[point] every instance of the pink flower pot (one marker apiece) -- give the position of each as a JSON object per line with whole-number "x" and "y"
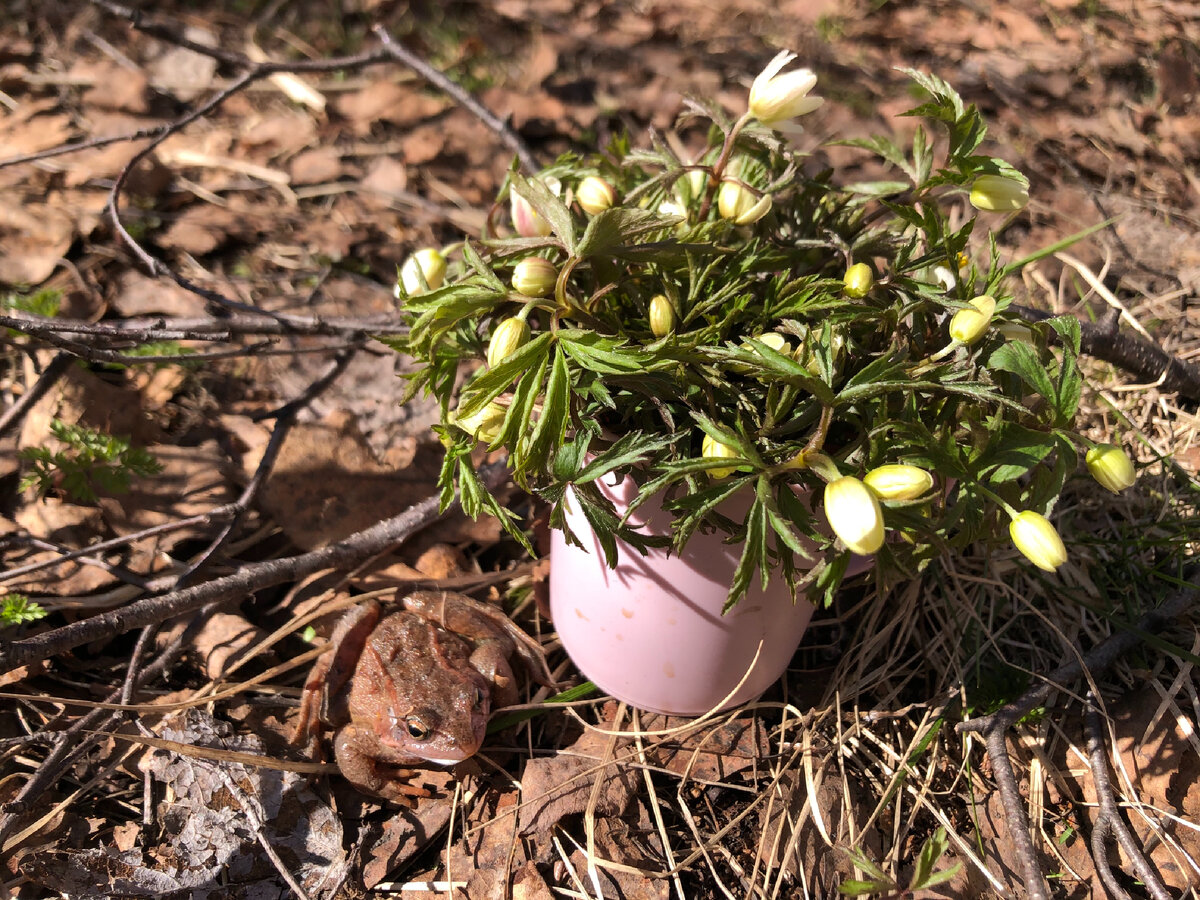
{"x": 651, "y": 632}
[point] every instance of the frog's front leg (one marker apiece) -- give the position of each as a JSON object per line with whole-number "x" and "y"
{"x": 355, "y": 751}
{"x": 323, "y": 698}
{"x": 494, "y": 634}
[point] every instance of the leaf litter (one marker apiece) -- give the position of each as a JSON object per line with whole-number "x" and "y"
{"x": 298, "y": 208}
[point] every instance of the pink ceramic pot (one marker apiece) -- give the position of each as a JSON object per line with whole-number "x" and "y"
{"x": 651, "y": 633}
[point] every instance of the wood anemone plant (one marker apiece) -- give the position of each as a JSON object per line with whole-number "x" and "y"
{"x": 766, "y": 355}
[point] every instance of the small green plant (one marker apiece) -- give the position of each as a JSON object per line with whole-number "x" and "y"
{"x": 45, "y": 302}
{"x": 17, "y": 609}
{"x": 923, "y": 877}
{"x": 91, "y": 460}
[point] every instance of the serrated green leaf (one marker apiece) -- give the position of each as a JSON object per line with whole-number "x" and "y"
{"x": 754, "y": 556}
{"x": 1022, "y": 360}
{"x": 548, "y": 206}
{"x": 551, "y": 427}
{"x": 620, "y": 226}
{"x": 491, "y": 384}
{"x": 878, "y": 188}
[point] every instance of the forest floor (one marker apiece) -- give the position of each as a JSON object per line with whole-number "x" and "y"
{"x": 299, "y": 198}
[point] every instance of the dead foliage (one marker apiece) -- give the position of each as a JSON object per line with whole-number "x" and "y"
{"x": 294, "y": 202}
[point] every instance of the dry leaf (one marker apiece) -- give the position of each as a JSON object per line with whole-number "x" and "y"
{"x": 560, "y": 786}
{"x": 35, "y": 237}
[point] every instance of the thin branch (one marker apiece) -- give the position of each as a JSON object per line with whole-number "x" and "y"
{"x": 1109, "y": 821}
{"x": 162, "y": 328}
{"x": 285, "y": 418}
{"x": 1147, "y": 362}
{"x": 248, "y": 579}
{"x": 994, "y": 727}
{"x": 452, "y": 89}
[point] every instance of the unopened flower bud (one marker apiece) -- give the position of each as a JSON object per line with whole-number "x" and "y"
{"x": 663, "y": 317}
{"x": 534, "y": 277}
{"x": 1035, "y": 537}
{"x": 776, "y": 97}
{"x": 486, "y": 423}
{"x": 509, "y": 336}
{"x": 710, "y": 448}
{"x": 898, "y": 482}
{"x": 740, "y": 205}
{"x": 427, "y": 263}
{"x": 527, "y": 221}
{"x": 858, "y": 281}
{"x": 1111, "y": 466}
{"x": 854, "y": 515}
{"x": 969, "y": 325}
{"x": 997, "y": 193}
{"x": 595, "y": 195}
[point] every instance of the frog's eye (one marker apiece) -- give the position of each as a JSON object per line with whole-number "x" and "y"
{"x": 478, "y": 697}
{"x": 416, "y": 728}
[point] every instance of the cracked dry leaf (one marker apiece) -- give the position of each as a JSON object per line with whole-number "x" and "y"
{"x": 216, "y": 810}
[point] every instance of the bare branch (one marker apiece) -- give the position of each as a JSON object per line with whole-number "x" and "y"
{"x": 1109, "y": 821}
{"x": 49, "y": 377}
{"x": 994, "y": 727}
{"x": 1147, "y": 362}
{"x": 249, "y": 578}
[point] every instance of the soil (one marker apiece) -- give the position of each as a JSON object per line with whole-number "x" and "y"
{"x": 300, "y": 196}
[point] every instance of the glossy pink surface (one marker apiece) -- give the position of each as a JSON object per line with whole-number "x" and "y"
{"x": 651, "y": 633}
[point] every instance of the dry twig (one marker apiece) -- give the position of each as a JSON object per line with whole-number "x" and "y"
{"x": 994, "y": 727}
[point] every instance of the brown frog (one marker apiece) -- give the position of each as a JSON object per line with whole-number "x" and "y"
{"x": 414, "y": 686}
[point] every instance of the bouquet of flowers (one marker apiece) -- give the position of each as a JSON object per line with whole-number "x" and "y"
{"x": 738, "y": 321}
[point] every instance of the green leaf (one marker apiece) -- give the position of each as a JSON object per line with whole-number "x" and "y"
{"x": 754, "y": 555}
{"x": 618, "y": 226}
{"x": 482, "y": 269}
{"x": 628, "y": 450}
{"x": 552, "y": 425}
{"x": 548, "y": 206}
{"x": 1022, "y": 360}
{"x": 491, "y": 384}
{"x": 1013, "y": 452}
{"x": 877, "y": 188}
{"x": 603, "y": 355}
{"x": 883, "y": 147}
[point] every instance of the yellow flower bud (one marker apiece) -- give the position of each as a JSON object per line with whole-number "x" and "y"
{"x": 997, "y": 193}
{"x": 898, "y": 482}
{"x": 854, "y": 515}
{"x": 534, "y": 277}
{"x": 740, "y": 205}
{"x": 509, "y": 336}
{"x": 1111, "y": 466}
{"x": 595, "y": 195}
{"x": 858, "y": 281}
{"x": 428, "y": 263}
{"x": 1035, "y": 537}
{"x": 484, "y": 424}
{"x": 714, "y": 449}
{"x": 663, "y": 317}
{"x": 969, "y": 325}
{"x": 837, "y": 343}
{"x": 777, "y": 98}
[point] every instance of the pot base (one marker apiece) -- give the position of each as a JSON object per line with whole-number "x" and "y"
{"x": 650, "y": 632}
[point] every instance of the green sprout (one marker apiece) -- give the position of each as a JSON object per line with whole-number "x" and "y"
{"x": 90, "y": 461}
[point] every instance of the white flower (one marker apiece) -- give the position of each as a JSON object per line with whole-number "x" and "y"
{"x": 776, "y": 97}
